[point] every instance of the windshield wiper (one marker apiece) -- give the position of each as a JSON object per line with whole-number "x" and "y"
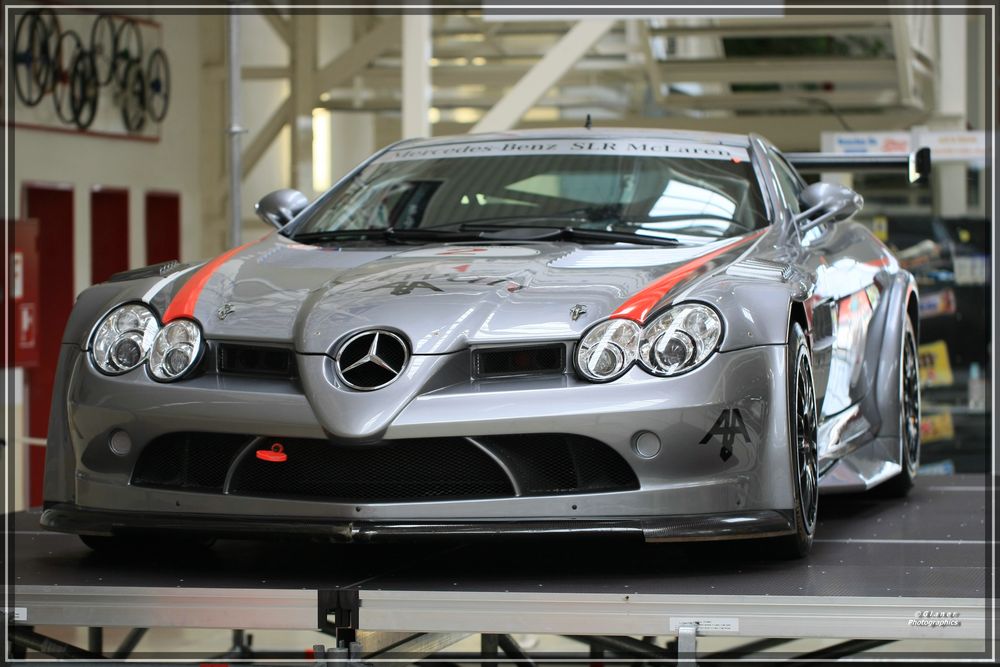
{"x": 384, "y": 234}
{"x": 483, "y": 231}
{"x": 546, "y": 232}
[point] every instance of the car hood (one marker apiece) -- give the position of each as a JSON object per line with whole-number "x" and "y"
{"x": 442, "y": 297}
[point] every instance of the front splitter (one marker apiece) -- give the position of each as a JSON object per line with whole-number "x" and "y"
{"x": 69, "y": 518}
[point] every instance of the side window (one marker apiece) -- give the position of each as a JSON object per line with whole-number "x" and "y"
{"x": 789, "y": 183}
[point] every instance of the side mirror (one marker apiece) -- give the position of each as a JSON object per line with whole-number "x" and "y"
{"x": 827, "y": 202}
{"x": 279, "y": 207}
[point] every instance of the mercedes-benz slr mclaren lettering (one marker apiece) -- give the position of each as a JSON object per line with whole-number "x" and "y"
{"x": 656, "y": 333}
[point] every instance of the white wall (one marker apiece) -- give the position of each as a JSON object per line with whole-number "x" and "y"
{"x": 85, "y": 161}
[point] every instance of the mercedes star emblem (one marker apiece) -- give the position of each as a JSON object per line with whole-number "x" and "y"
{"x": 371, "y": 359}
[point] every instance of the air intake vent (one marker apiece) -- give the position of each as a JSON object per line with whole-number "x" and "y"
{"x": 256, "y": 360}
{"x": 507, "y": 361}
{"x": 190, "y": 461}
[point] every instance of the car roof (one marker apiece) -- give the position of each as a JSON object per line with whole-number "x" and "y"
{"x": 740, "y": 140}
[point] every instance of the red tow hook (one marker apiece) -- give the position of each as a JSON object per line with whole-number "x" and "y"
{"x": 274, "y": 455}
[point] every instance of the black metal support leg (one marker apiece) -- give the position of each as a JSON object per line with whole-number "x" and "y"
{"x": 513, "y": 650}
{"x": 95, "y": 640}
{"x": 490, "y": 649}
{"x": 625, "y": 646}
{"x": 25, "y": 638}
{"x": 18, "y": 651}
{"x": 843, "y": 649}
{"x": 128, "y": 644}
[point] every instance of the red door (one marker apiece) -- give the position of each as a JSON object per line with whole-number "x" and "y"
{"x": 108, "y": 233}
{"x": 52, "y": 206}
{"x": 163, "y": 227}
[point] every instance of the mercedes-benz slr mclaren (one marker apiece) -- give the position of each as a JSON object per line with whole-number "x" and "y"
{"x": 665, "y": 334}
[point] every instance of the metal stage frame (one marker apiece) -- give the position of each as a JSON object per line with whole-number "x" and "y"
{"x": 882, "y": 570}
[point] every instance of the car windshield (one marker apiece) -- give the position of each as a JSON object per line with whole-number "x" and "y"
{"x": 681, "y": 190}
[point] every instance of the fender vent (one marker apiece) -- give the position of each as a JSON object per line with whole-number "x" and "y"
{"x": 256, "y": 360}
{"x": 510, "y": 361}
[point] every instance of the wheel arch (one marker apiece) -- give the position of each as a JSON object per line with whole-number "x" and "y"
{"x": 797, "y": 314}
{"x": 901, "y": 302}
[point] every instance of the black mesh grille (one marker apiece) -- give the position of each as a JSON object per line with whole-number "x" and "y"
{"x": 256, "y": 360}
{"x": 397, "y": 470}
{"x": 520, "y": 360}
{"x": 197, "y": 461}
{"x": 552, "y": 463}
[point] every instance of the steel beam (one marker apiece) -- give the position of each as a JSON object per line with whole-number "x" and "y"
{"x": 546, "y": 73}
{"x": 267, "y": 133}
{"x": 416, "y": 73}
{"x": 780, "y": 27}
{"x": 781, "y": 99}
{"x": 304, "y": 95}
{"x": 385, "y": 74}
{"x": 235, "y": 130}
{"x": 355, "y": 58}
{"x": 281, "y": 26}
{"x": 779, "y": 70}
{"x": 265, "y": 73}
{"x": 904, "y": 56}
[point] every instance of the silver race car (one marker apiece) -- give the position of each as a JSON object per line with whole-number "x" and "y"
{"x": 657, "y": 333}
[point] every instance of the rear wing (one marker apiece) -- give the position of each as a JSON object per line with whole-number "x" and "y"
{"x": 917, "y": 165}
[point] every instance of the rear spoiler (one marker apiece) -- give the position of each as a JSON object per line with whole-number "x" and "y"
{"x": 917, "y": 164}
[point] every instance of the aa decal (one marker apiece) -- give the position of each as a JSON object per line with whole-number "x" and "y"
{"x": 729, "y": 425}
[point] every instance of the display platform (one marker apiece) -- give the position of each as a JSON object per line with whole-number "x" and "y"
{"x": 877, "y": 566}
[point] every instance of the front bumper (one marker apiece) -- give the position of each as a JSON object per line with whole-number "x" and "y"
{"x": 686, "y": 478}
{"x": 702, "y": 527}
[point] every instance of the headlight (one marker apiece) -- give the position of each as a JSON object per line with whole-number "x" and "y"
{"x": 608, "y": 350}
{"x": 123, "y": 338}
{"x": 679, "y": 339}
{"x": 176, "y": 349}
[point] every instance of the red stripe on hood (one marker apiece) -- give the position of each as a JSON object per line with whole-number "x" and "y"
{"x": 638, "y": 307}
{"x": 183, "y": 303}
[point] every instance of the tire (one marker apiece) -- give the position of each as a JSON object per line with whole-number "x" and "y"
{"x": 30, "y": 58}
{"x": 909, "y": 418}
{"x": 158, "y": 85}
{"x": 802, "y": 451}
{"x": 102, "y": 48}
{"x": 133, "y": 98}
{"x": 70, "y": 46}
{"x": 128, "y": 50}
{"x": 83, "y": 90}
{"x": 117, "y": 545}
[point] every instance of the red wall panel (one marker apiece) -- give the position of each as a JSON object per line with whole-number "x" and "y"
{"x": 108, "y": 233}
{"x": 53, "y": 208}
{"x": 163, "y": 227}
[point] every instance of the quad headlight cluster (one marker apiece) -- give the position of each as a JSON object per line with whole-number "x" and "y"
{"x": 676, "y": 341}
{"x": 131, "y": 334}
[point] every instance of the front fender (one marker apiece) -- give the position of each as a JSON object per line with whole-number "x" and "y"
{"x": 754, "y": 312}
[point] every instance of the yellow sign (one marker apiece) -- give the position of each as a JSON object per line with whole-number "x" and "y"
{"x": 880, "y": 227}
{"x": 936, "y": 427}
{"x": 935, "y": 369}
